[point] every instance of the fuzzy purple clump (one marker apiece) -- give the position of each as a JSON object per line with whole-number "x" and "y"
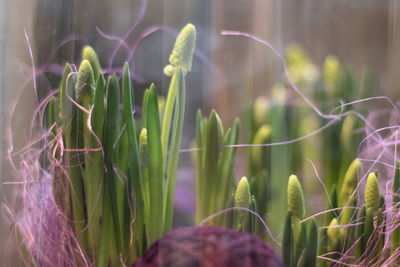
{"x": 208, "y": 247}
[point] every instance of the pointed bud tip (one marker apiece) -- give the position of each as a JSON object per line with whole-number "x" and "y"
{"x": 85, "y": 81}
{"x": 295, "y": 198}
{"x": 242, "y": 195}
{"x": 90, "y": 54}
{"x": 372, "y": 195}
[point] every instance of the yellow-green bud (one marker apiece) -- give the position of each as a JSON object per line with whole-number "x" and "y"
{"x": 371, "y": 195}
{"x": 161, "y": 104}
{"x": 85, "y": 82}
{"x": 334, "y": 233}
{"x": 278, "y": 93}
{"x": 295, "y": 198}
{"x": 169, "y": 70}
{"x": 295, "y": 55}
{"x": 331, "y": 71}
{"x": 242, "y": 195}
{"x": 260, "y": 110}
{"x": 300, "y": 67}
{"x": 261, "y": 137}
{"x": 347, "y": 130}
{"x": 89, "y": 54}
{"x": 349, "y": 182}
{"x": 182, "y": 53}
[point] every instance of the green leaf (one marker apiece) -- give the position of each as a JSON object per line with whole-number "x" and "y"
{"x": 301, "y": 243}
{"x": 173, "y": 159}
{"x": 111, "y": 154}
{"x": 135, "y": 185}
{"x": 360, "y": 246}
{"x": 64, "y": 103}
{"x": 322, "y": 247}
{"x": 227, "y": 166}
{"x": 395, "y": 239}
{"x": 310, "y": 254}
{"x": 287, "y": 242}
{"x": 99, "y": 107}
{"x": 213, "y": 148}
{"x": 156, "y": 166}
{"x": 72, "y": 132}
{"x": 199, "y": 162}
{"x": 94, "y": 165}
{"x": 369, "y": 226}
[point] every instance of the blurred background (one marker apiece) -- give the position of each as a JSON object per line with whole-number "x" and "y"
{"x": 229, "y": 72}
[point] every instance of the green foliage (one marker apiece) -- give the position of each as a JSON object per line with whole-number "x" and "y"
{"x": 120, "y": 192}
{"x": 215, "y": 166}
{"x": 122, "y": 187}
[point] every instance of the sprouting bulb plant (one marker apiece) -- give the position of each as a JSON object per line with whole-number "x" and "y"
{"x": 372, "y": 197}
{"x": 182, "y": 53}
{"x": 295, "y": 198}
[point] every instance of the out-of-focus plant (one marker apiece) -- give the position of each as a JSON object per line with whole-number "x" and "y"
{"x": 352, "y": 233}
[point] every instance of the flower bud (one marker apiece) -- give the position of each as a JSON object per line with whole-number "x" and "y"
{"x": 295, "y": 198}
{"x": 182, "y": 53}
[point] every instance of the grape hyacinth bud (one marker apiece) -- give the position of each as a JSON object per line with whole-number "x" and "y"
{"x": 261, "y": 137}
{"x": 295, "y": 198}
{"x": 334, "y": 233}
{"x": 371, "y": 196}
{"x": 85, "y": 82}
{"x": 349, "y": 182}
{"x": 331, "y": 72}
{"x": 89, "y": 54}
{"x": 182, "y": 53}
{"x": 242, "y": 195}
{"x": 260, "y": 110}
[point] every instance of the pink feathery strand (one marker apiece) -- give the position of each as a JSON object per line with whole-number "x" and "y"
{"x": 139, "y": 17}
{"x": 33, "y": 63}
{"x": 285, "y": 70}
